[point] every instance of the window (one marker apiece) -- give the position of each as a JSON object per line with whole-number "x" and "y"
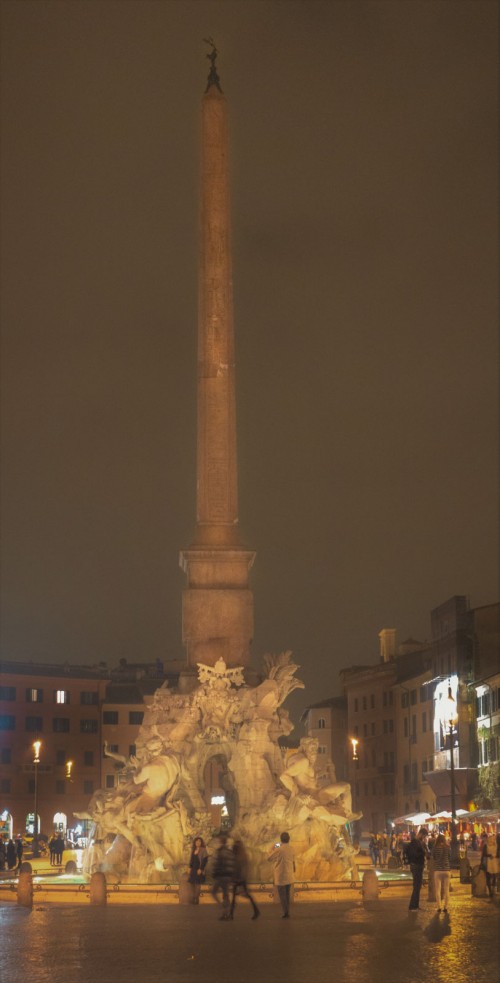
{"x": 384, "y": 698}
{"x": 89, "y": 726}
{"x": 366, "y": 787}
{"x": 88, "y": 787}
{"x": 364, "y": 703}
{"x": 60, "y": 786}
{"x": 413, "y": 697}
{"x": 389, "y": 787}
{"x": 374, "y": 788}
{"x": 372, "y": 701}
{"x": 414, "y": 774}
{"x": 5, "y": 785}
{"x": 404, "y": 700}
{"x": 34, "y": 724}
{"x": 374, "y": 756}
{"x": 113, "y": 748}
{"x": 356, "y": 731}
{"x": 110, "y": 781}
{"x": 424, "y": 722}
{"x": 7, "y": 693}
{"x": 61, "y": 696}
{"x": 88, "y": 758}
{"x": 390, "y": 698}
{"x": 110, "y": 717}
{"x": 7, "y": 722}
{"x": 406, "y": 774}
{"x": 405, "y": 727}
{"x": 5, "y": 756}
{"x": 321, "y": 723}
{"x": 424, "y": 769}
{"x": 89, "y": 698}
{"x": 60, "y": 757}
{"x": 373, "y": 730}
{"x": 34, "y": 696}
{"x": 60, "y": 725}
{"x": 132, "y": 750}
{"x": 135, "y": 716}
{"x": 430, "y": 764}
{"x": 414, "y": 727}
{"x": 385, "y": 726}
{"x": 356, "y": 705}
{"x": 365, "y": 730}
{"x": 321, "y": 749}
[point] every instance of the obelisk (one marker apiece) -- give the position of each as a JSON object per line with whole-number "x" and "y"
{"x": 217, "y": 604}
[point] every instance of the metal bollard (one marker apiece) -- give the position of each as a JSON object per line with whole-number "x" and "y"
{"x": 25, "y": 889}
{"x": 98, "y": 887}
{"x": 370, "y": 887}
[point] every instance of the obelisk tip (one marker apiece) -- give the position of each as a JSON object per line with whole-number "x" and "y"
{"x": 213, "y": 78}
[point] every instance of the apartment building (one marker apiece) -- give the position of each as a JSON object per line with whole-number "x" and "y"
{"x": 86, "y": 720}
{"x": 327, "y": 722}
{"x": 60, "y": 707}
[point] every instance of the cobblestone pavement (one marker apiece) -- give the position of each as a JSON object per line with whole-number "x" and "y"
{"x": 338, "y": 942}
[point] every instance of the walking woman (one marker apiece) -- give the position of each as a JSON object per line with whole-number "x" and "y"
{"x": 197, "y": 864}
{"x": 442, "y": 873}
{"x": 240, "y": 878}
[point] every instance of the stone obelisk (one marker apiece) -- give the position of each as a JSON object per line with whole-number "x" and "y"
{"x": 217, "y": 604}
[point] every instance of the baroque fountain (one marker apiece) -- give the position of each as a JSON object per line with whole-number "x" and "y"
{"x": 144, "y": 827}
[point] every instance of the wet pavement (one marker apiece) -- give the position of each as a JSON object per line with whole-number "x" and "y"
{"x": 338, "y": 942}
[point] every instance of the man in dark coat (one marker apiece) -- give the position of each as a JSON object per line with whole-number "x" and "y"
{"x": 19, "y": 852}
{"x": 417, "y": 853}
{"x": 223, "y": 875}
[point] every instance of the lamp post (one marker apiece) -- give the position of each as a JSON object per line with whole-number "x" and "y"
{"x": 450, "y": 720}
{"x": 36, "y": 761}
{"x": 354, "y": 742}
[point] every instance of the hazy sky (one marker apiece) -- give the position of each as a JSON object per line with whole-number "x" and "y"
{"x": 364, "y": 161}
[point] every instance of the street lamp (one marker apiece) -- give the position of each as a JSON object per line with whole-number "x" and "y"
{"x": 450, "y": 720}
{"x": 354, "y": 742}
{"x": 36, "y": 761}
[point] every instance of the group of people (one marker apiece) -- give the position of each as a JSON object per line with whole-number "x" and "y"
{"x": 229, "y": 874}
{"x": 422, "y": 848}
{"x": 56, "y": 850}
{"x": 11, "y": 854}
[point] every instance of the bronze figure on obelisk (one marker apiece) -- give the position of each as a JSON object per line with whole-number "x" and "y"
{"x": 217, "y": 606}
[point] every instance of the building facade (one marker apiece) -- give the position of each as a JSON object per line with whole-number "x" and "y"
{"x": 85, "y": 721}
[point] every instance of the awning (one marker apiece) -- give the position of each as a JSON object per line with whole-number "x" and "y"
{"x": 413, "y": 819}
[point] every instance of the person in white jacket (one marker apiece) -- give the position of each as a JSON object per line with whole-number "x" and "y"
{"x": 284, "y": 870}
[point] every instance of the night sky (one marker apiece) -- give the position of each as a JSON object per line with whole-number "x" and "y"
{"x": 364, "y": 197}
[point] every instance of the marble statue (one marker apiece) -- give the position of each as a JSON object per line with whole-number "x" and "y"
{"x": 145, "y": 825}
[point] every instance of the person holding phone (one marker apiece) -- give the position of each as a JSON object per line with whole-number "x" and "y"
{"x": 284, "y": 870}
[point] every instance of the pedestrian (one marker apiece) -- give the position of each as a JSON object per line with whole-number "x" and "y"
{"x": 240, "y": 878}
{"x": 52, "y": 850}
{"x": 416, "y": 855}
{"x": 11, "y": 854}
{"x": 489, "y": 861}
{"x": 59, "y": 849}
{"x": 19, "y": 852}
{"x": 222, "y": 875}
{"x": 197, "y": 863}
{"x": 284, "y": 870}
{"x": 441, "y": 859}
{"x": 3, "y": 855}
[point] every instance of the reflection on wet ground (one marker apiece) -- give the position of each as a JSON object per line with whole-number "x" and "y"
{"x": 334, "y": 942}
